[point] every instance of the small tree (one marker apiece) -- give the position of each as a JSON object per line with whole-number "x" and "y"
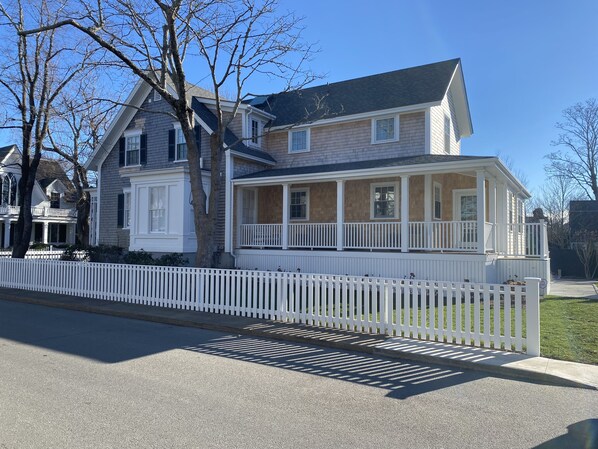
{"x": 585, "y": 244}
{"x": 579, "y": 139}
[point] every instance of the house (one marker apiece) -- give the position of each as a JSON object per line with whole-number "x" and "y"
{"x": 54, "y": 214}
{"x": 363, "y": 176}
{"x": 583, "y": 218}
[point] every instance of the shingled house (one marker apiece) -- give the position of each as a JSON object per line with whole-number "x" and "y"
{"x": 360, "y": 176}
{"x": 54, "y": 217}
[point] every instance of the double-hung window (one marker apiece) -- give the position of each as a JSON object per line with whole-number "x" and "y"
{"x": 384, "y": 201}
{"x": 385, "y": 129}
{"x": 255, "y": 132}
{"x": 132, "y": 147}
{"x": 299, "y": 204}
{"x": 181, "y": 145}
{"x": 299, "y": 141}
{"x": 157, "y": 209}
{"x": 437, "y": 201}
{"x": 127, "y": 210}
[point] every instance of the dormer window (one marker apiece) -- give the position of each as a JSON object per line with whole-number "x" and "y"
{"x": 385, "y": 129}
{"x": 255, "y": 132}
{"x": 55, "y": 200}
{"x": 299, "y": 141}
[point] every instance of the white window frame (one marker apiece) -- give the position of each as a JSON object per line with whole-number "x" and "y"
{"x": 126, "y": 212}
{"x": 258, "y": 137}
{"x": 130, "y": 134}
{"x": 300, "y": 189}
{"x": 157, "y": 96}
{"x": 307, "y": 148}
{"x": 177, "y": 130}
{"x": 447, "y": 134}
{"x": 397, "y": 123}
{"x": 165, "y": 209}
{"x": 434, "y": 186}
{"x": 373, "y": 187}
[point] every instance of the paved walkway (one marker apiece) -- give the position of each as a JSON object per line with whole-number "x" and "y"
{"x": 500, "y": 363}
{"x": 573, "y": 288}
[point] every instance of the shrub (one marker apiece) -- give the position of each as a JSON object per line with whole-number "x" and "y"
{"x": 105, "y": 254}
{"x": 140, "y": 257}
{"x": 70, "y": 253}
{"x": 172, "y": 260}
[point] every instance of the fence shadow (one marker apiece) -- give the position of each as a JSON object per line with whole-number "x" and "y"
{"x": 582, "y": 434}
{"x": 402, "y": 379}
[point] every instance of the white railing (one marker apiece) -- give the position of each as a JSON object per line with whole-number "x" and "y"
{"x": 373, "y": 235}
{"x": 43, "y": 254}
{"x": 527, "y": 240}
{"x": 38, "y": 211}
{"x": 261, "y": 235}
{"x": 312, "y": 235}
{"x": 443, "y": 236}
{"x": 486, "y": 315}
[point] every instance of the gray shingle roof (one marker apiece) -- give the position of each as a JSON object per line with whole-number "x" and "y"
{"x": 230, "y": 138}
{"x": 415, "y": 85}
{"x": 361, "y": 165}
{"x": 48, "y": 171}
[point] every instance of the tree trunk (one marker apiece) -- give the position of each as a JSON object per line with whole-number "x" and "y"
{"x": 83, "y": 208}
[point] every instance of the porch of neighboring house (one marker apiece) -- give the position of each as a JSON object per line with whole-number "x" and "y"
{"x": 418, "y": 215}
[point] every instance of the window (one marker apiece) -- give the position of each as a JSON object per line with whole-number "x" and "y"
{"x": 127, "y": 210}
{"x": 385, "y": 129}
{"x": 157, "y": 209}
{"x": 157, "y": 96}
{"x": 255, "y": 132}
{"x": 299, "y": 141}
{"x": 437, "y": 201}
{"x": 299, "y": 204}
{"x": 383, "y": 201}
{"x": 511, "y": 215}
{"x": 447, "y": 134}
{"x": 54, "y": 200}
{"x": 133, "y": 144}
{"x": 8, "y": 191}
{"x": 181, "y": 146}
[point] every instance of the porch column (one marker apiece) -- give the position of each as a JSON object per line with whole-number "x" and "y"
{"x": 340, "y": 215}
{"x": 502, "y": 217}
{"x": 481, "y": 210}
{"x": 492, "y": 210}
{"x": 239, "y": 215}
{"x": 428, "y": 205}
{"x": 228, "y": 200}
{"x": 45, "y": 233}
{"x": 285, "y": 216}
{"x": 404, "y": 214}
{"x": 6, "y": 233}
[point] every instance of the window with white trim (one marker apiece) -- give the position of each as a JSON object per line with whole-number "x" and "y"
{"x": 437, "y": 201}
{"x": 447, "y": 134}
{"x": 385, "y": 129}
{"x": 181, "y": 145}
{"x": 511, "y": 198}
{"x": 384, "y": 201}
{"x": 132, "y": 149}
{"x": 299, "y": 204}
{"x": 127, "y": 210}
{"x": 255, "y": 132}
{"x": 299, "y": 141}
{"x": 157, "y": 96}
{"x": 157, "y": 209}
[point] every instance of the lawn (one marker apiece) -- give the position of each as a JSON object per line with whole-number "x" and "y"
{"x": 569, "y": 329}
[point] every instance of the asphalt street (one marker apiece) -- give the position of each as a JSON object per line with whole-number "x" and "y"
{"x": 78, "y": 380}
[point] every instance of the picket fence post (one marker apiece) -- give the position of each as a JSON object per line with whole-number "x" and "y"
{"x": 532, "y": 315}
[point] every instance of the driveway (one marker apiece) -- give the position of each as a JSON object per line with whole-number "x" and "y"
{"x": 573, "y": 288}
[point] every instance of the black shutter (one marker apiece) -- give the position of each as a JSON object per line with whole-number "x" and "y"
{"x": 197, "y": 130}
{"x": 143, "y": 149}
{"x": 171, "y": 145}
{"x": 121, "y": 152}
{"x": 120, "y": 214}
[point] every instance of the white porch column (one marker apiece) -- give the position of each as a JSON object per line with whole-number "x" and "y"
{"x": 404, "y": 214}
{"x": 285, "y": 216}
{"x": 6, "y": 233}
{"x": 492, "y": 210}
{"x": 428, "y": 206}
{"x": 45, "y": 233}
{"x": 239, "y": 214}
{"x": 340, "y": 215}
{"x": 502, "y": 217}
{"x": 481, "y": 208}
{"x": 228, "y": 201}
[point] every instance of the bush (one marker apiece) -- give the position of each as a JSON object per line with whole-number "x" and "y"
{"x": 39, "y": 246}
{"x": 105, "y": 254}
{"x": 139, "y": 258}
{"x": 70, "y": 253}
{"x": 172, "y": 260}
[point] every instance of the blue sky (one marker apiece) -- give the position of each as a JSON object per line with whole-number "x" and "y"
{"x": 524, "y": 61}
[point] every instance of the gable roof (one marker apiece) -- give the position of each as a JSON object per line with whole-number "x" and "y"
{"x": 230, "y": 139}
{"x": 4, "y": 151}
{"x": 412, "y": 86}
{"x": 50, "y": 170}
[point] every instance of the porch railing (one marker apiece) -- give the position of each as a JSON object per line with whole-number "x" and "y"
{"x": 527, "y": 239}
{"x": 443, "y": 236}
{"x": 373, "y": 235}
{"x": 13, "y": 211}
{"x": 312, "y": 235}
{"x": 261, "y": 235}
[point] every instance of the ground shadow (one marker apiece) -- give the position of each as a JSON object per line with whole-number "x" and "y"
{"x": 582, "y": 434}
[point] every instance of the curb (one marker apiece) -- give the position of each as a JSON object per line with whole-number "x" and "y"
{"x": 500, "y": 371}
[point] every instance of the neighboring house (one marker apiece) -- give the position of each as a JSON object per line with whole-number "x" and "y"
{"x": 583, "y": 217}
{"x": 363, "y": 176}
{"x": 53, "y": 202}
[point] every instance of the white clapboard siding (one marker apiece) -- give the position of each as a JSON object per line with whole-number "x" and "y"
{"x": 484, "y": 315}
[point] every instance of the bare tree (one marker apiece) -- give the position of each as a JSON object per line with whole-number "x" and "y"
{"x": 233, "y": 40}
{"x": 33, "y": 73}
{"x": 579, "y": 138}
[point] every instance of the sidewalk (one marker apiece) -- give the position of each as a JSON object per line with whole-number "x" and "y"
{"x": 502, "y": 363}
{"x": 573, "y": 288}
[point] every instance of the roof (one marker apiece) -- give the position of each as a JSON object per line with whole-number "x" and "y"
{"x": 230, "y": 139}
{"x": 4, "y": 151}
{"x": 50, "y": 170}
{"x": 361, "y": 165}
{"x": 583, "y": 216}
{"x": 416, "y": 85}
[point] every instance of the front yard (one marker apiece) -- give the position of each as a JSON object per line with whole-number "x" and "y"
{"x": 569, "y": 329}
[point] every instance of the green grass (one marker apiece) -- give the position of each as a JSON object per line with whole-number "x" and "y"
{"x": 569, "y": 329}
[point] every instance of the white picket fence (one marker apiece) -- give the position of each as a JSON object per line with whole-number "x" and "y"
{"x": 483, "y": 315}
{"x": 46, "y": 254}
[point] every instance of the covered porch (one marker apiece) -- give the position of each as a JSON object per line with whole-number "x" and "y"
{"x": 399, "y": 206}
